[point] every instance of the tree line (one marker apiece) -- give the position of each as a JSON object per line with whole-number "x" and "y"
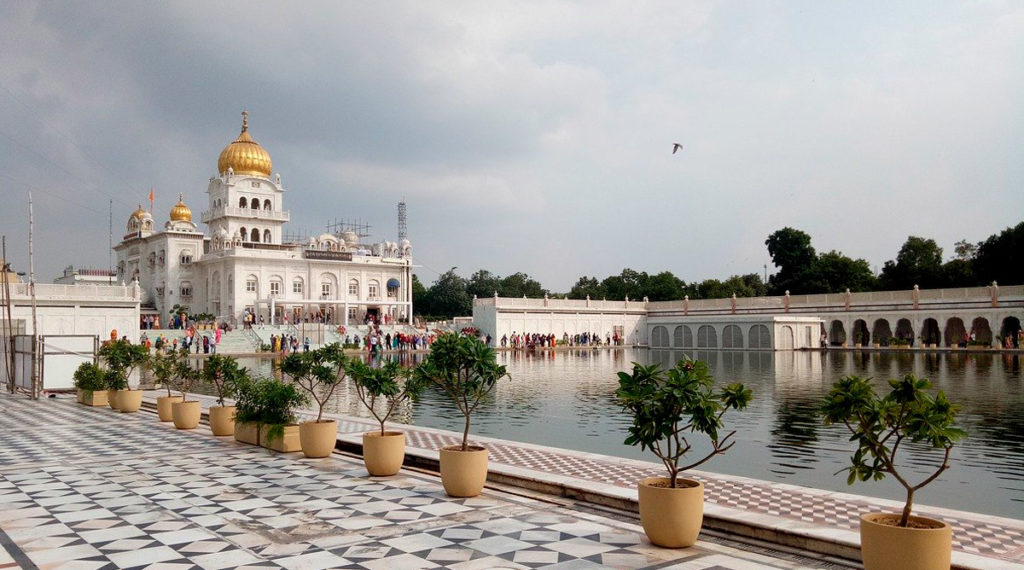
{"x": 801, "y": 270}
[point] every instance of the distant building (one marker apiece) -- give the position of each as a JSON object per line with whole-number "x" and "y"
{"x": 246, "y": 264}
{"x": 81, "y": 276}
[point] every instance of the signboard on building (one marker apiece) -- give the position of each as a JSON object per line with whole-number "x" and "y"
{"x": 327, "y": 255}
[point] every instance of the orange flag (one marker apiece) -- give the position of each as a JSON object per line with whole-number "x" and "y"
{"x": 151, "y": 199}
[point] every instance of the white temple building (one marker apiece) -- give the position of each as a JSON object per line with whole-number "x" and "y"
{"x": 244, "y": 263}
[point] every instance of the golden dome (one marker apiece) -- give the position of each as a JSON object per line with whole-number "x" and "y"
{"x": 137, "y": 214}
{"x": 244, "y": 155}
{"x": 180, "y": 212}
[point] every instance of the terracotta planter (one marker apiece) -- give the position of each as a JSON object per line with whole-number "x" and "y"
{"x": 286, "y": 444}
{"x": 885, "y": 547}
{"x": 129, "y": 400}
{"x": 247, "y": 432}
{"x": 671, "y": 517}
{"x": 186, "y": 414}
{"x": 112, "y": 399}
{"x": 222, "y": 420}
{"x": 463, "y": 473}
{"x": 383, "y": 454}
{"x": 163, "y": 407}
{"x": 93, "y": 397}
{"x": 317, "y": 439}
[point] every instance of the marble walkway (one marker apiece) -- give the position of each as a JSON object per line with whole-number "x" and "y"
{"x": 91, "y": 488}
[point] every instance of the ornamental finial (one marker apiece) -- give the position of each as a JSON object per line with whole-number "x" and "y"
{"x": 245, "y": 121}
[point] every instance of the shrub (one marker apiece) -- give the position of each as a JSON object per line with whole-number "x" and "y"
{"x": 882, "y": 426}
{"x": 668, "y": 404}
{"x": 89, "y": 377}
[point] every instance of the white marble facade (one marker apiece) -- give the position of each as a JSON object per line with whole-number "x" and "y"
{"x": 243, "y": 261}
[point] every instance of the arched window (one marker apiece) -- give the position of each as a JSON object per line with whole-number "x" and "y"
{"x": 682, "y": 337}
{"x": 251, "y": 284}
{"x": 297, "y": 286}
{"x": 373, "y": 289}
{"x": 266, "y": 205}
{"x": 659, "y": 337}
{"x": 759, "y": 337}
{"x": 255, "y": 237}
{"x": 242, "y": 203}
{"x": 353, "y": 288}
{"x": 255, "y": 203}
{"x": 266, "y": 236}
{"x": 732, "y": 337}
{"x": 186, "y": 289}
{"x": 245, "y": 234}
{"x": 707, "y": 337}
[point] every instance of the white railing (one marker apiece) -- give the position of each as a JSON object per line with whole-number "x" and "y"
{"x": 796, "y": 303}
{"x": 280, "y": 216}
{"x": 49, "y": 291}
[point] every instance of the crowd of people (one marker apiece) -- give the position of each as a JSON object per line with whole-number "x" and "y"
{"x": 193, "y": 340}
{"x": 535, "y": 340}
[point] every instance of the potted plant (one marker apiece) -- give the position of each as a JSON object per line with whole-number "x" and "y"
{"x": 857, "y": 336}
{"x": 186, "y": 413}
{"x": 883, "y": 426}
{"x": 318, "y": 373}
{"x": 382, "y": 390}
{"x": 164, "y": 365}
{"x": 91, "y": 384}
{"x": 247, "y": 410}
{"x": 121, "y": 358}
{"x": 666, "y": 405}
{"x": 223, "y": 373}
{"x": 278, "y": 428}
{"x": 466, "y": 370}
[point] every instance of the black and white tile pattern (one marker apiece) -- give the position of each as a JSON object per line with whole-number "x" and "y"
{"x": 91, "y": 488}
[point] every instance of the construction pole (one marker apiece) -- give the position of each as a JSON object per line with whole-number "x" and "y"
{"x": 8, "y": 332}
{"x": 32, "y": 292}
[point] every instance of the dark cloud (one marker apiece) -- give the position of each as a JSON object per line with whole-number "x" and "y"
{"x": 524, "y": 136}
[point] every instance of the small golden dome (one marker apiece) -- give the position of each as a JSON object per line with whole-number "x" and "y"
{"x": 244, "y": 155}
{"x": 180, "y": 212}
{"x": 137, "y": 214}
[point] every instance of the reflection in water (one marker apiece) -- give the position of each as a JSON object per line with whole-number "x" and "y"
{"x": 566, "y": 399}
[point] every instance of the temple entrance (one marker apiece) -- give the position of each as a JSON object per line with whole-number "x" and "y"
{"x": 1010, "y": 332}
{"x": 372, "y": 315}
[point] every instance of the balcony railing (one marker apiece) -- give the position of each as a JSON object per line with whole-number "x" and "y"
{"x": 273, "y": 215}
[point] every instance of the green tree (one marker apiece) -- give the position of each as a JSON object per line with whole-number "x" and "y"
{"x": 792, "y": 253}
{"x": 448, "y": 296}
{"x": 420, "y": 297}
{"x": 1001, "y": 257}
{"x": 629, "y": 283}
{"x": 587, "y": 286}
{"x": 834, "y": 273}
{"x": 483, "y": 283}
{"x": 919, "y": 262}
{"x": 519, "y": 285}
{"x": 665, "y": 287}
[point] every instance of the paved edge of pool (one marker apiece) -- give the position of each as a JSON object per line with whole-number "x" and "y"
{"x": 810, "y": 537}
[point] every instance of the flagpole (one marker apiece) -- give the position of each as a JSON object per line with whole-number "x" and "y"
{"x": 35, "y": 321}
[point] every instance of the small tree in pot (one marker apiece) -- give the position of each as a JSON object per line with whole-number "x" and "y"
{"x": 121, "y": 358}
{"x": 318, "y": 373}
{"x": 277, "y": 403}
{"x": 164, "y": 366}
{"x": 883, "y": 426}
{"x": 466, "y": 370}
{"x": 382, "y": 390}
{"x": 666, "y": 405}
{"x": 90, "y": 380}
{"x": 223, "y": 373}
{"x": 185, "y": 413}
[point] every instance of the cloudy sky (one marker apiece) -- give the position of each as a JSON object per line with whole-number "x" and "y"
{"x": 525, "y": 136}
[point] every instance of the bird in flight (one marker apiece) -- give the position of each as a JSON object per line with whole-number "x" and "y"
{"x": 676, "y": 147}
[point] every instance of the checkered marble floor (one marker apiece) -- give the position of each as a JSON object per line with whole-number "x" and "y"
{"x": 985, "y": 541}
{"x": 92, "y": 488}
